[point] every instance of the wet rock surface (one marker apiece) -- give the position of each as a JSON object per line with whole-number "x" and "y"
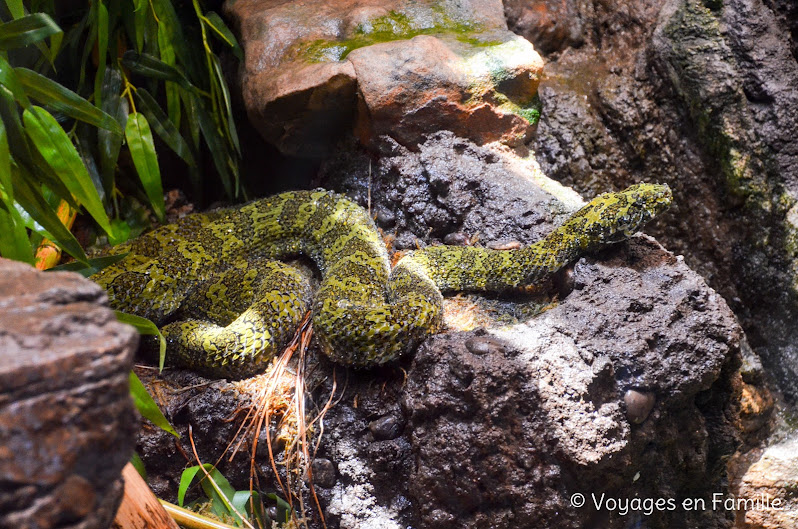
{"x": 67, "y": 424}
{"x": 499, "y": 427}
{"x": 699, "y": 95}
{"x": 317, "y": 71}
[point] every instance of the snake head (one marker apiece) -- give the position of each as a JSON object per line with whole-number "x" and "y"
{"x": 613, "y": 217}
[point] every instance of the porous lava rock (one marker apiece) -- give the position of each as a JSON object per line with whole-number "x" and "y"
{"x": 500, "y": 426}
{"x": 316, "y": 71}
{"x": 67, "y": 423}
{"x": 700, "y": 95}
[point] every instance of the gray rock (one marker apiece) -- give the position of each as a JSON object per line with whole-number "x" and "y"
{"x": 67, "y": 424}
{"x": 699, "y": 95}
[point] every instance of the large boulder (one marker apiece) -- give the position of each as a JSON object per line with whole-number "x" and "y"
{"x": 315, "y": 72}
{"x": 67, "y": 423}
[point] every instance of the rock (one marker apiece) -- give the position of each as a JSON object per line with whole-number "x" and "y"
{"x": 638, "y": 405}
{"x": 699, "y": 95}
{"x": 764, "y": 495}
{"x": 67, "y": 424}
{"x": 510, "y": 443}
{"x": 408, "y": 68}
{"x": 503, "y": 424}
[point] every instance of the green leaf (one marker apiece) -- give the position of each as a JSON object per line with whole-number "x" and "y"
{"x": 146, "y": 327}
{"x": 215, "y": 22}
{"x": 102, "y": 50}
{"x": 138, "y": 464}
{"x": 149, "y": 66}
{"x": 140, "y": 14}
{"x": 147, "y": 407}
{"x": 186, "y": 478}
{"x": 222, "y": 83}
{"x": 64, "y": 100}
{"x": 16, "y": 8}
{"x": 109, "y": 143}
{"x": 58, "y": 151}
{"x": 31, "y": 199}
{"x": 220, "y": 492}
{"x": 27, "y": 30}
{"x": 167, "y": 52}
{"x": 92, "y": 267}
{"x": 216, "y": 145}
{"x": 5, "y": 163}
{"x": 142, "y": 150}
{"x": 9, "y": 80}
{"x": 14, "y": 243}
{"x": 163, "y": 127}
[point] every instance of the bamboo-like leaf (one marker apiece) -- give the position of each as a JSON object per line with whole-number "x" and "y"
{"x": 90, "y": 268}
{"x": 167, "y": 52}
{"x": 16, "y": 8}
{"x": 26, "y": 30}
{"x": 57, "y": 149}
{"x": 109, "y": 143}
{"x": 164, "y": 128}
{"x": 64, "y": 100}
{"x": 142, "y": 150}
{"x": 138, "y": 464}
{"x": 232, "y": 135}
{"x": 102, "y": 51}
{"x": 140, "y": 17}
{"x": 14, "y": 243}
{"x": 31, "y": 199}
{"x": 220, "y": 29}
{"x": 146, "y": 406}
{"x": 215, "y": 143}
{"x": 10, "y": 81}
{"x": 149, "y": 66}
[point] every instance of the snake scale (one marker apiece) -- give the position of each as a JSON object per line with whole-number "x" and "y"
{"x": 211, "y": 281}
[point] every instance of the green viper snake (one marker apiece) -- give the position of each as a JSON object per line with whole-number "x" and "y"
{"x": 226, "y": 306}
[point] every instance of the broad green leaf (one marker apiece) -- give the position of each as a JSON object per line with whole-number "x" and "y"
{"x": 149, "y": 66}
{"x": 186, "y": 478}
{"x": 163, "y": 127}
{"x": 102, "y": 50}
{"x": 147, "y": 407}
{"x": 64, "y": 100}
{"x": 10, "y": 81}
{"x": 26, "y": 30}
{"x": 90, "y": 268}
{"x": 142, "y": 150}
{"x": 5, "y": 164}
{"x": 82, "y": 142}
{"x": 169, "y": 22}
{"x": 109, "y": 143}
{"x": 31, "y": 199}
{"x": 146, "y": 327}
{"x": 220, "y": 492}
{"x": 59, "y": 152}
{"x": 14, "y": 242}
{"x": 215, "y": 143}
{"x": 220, "y": 30}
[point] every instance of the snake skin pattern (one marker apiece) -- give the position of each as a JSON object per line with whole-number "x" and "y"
{"x": 211, "y": 281}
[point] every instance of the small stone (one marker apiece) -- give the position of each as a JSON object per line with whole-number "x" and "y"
{"x": 386, "y": 428}
{"x": 457, "y": 238}
{"x": 638, "y": 405}
{"x": 324, "y": 473}
{"x": 482, "y": 345}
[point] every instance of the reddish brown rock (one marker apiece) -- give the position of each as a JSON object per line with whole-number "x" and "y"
{"x": 67, "y": 425}
{"x": 405, "y": 68}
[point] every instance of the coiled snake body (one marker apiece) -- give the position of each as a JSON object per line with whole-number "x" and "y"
{"x": 226, "y": 307}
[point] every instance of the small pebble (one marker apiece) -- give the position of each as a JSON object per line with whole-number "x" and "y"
{"x": 386, "y": 428}
{"x": 481, "y": 345}
{"x": 638, "y": 405}
{"x": 457, "y": 238}
{"x": 324, "y": 474}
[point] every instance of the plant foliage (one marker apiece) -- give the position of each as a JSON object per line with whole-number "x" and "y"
{"x": 83, "y": 96}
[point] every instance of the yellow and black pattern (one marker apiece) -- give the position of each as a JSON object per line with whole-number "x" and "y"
{"x": 227, "y": 307}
